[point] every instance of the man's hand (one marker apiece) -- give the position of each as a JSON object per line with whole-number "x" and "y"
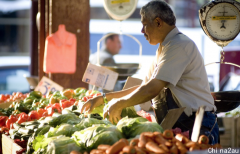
{"x": 114, "y": 111}
{"x": 91, "y": 104}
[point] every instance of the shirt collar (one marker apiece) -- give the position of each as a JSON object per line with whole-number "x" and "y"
{"x": 170, "y": 35}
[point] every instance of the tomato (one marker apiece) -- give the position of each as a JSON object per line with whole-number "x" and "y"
{"x": 54, "y": 108}
{"x": 3, "y": 97}
{"x": 23, "y": 118}
{"x": 12, "y": 119}
{"x": 66, "y": 104}
{"x": 20, "y": 114}
{"x": 72, "y": 100}
{"x": 85, "y": 98}
{"x": 3, "y": 120}
{"x": 4, "y": 129}
{"x": 145, "y": 115}
{"x": 41, "y": 111}
{"x": 97, "y": 94}
{"x": 33, "y": 115}
{"x": 45, "y": 114}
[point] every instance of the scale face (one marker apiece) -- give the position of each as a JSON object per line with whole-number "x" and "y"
{"x": 120, "y": 9}
{"x": 220, "y": 20}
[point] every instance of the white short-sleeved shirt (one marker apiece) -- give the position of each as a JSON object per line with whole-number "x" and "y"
{"x": 181, "y": 64}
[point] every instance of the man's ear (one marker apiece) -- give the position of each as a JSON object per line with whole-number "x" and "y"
{"x": 158, "y": 21}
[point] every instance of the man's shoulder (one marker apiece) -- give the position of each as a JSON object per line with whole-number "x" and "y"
{"x": 181, "y": 40}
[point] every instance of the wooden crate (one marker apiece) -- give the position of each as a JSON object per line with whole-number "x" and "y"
{"x": 228, "y": 139}
{"x": 5, "y": 105}
{"x": 8, "y": 145}
{"x": 237, "y": 120}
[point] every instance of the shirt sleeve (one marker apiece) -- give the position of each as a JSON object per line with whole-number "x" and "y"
{"x": 172, "y": 63}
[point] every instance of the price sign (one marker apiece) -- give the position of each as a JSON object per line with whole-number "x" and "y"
{"x": 100, "y": 77}
{"x": 46, "y": 85}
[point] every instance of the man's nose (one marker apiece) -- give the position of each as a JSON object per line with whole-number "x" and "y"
{"x": 143, "y": 30}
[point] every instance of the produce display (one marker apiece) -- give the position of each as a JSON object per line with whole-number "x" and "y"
{"x": 53, "y": 124}
{"x": 155, "y": 143}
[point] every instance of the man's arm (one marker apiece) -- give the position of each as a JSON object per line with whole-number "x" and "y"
{"x": 119, "y": 94}
{"x": 144, "y": 93}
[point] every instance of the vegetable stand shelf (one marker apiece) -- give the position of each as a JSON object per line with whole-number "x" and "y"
{"x": 8, "y": 145}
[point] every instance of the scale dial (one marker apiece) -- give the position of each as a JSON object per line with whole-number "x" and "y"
{"x": 120, "y": 9}
{"x": 220, "y": 20}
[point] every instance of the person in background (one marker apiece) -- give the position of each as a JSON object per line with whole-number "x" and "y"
{"x": 112, "y": 46}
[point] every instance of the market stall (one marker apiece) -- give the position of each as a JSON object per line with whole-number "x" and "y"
{"x": 53, "y": 123}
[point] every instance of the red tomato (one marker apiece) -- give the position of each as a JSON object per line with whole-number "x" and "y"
{"x": 41, "y": 111}
{"x": 72, "y": 100}
{"x": 33, "y": 115}
{"x": 23, "y": 118}
{"x": 3, "y": 97}
{"x": 11, "y": 119}
{"x": 54, "y": 109}
{"x": 22, "y": 113}
{"x": 3, "y": 120}
{"x": 85, "y": 98}
{"x": 145, "y": 115}
{"x": 45, "y": 114}
{"x": 97, "y": 94}
{"x": 4, "y": 129}
{"x": 66, "y": 104}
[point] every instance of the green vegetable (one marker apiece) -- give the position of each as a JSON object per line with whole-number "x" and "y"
{"x": 91, "y": 137}
{"x": 63, "y": 145}
{"x": 16, "y": 136}
{"x": 25, "y": 131}
{"x": 44, "y": 129}
{"x": 63, "y": 129}
{"x": 36, "y": 94}
{"x": 66, "y": 111}
{"x": 131, "y": 127}
{"x": 70, "y": 118}
{"x": 126, "y": 112}
{"x": 41, "y": 142}
{"x": 88, "y": 122}
{"x": 99, "y": 110}
{"x": 95, "y": 115}
{"x": 22, "y": 107}
{"x": 80, "y": 91}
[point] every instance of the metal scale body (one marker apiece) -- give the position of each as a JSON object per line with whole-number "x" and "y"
{"x": 220, "y": 20}
{"x": 121, "y": 10}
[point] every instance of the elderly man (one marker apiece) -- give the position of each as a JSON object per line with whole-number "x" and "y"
{"x": 177, "y": 77}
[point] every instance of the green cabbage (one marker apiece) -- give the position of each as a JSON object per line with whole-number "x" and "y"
{"x": 63, "y": 129}
{"x": 126, "y": 112}
{"x": 131, "y": 127}
{"x": 40, "y": 142}
{"x": 70, "y": 118}
{"x": 98, "y": 110}
{"x": 63, "y": 145}
{"x": 88, "y": 122}
{"x": 91, "y": 137}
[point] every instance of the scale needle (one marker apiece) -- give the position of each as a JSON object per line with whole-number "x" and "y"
{"x": 223, "y": 26}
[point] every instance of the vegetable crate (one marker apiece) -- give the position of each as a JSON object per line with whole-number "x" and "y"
{"x": 237, "y": 120}
{"x": 8, "y": 145}
{"x": 228, "y": 139}
{"x": 5, "y": 105}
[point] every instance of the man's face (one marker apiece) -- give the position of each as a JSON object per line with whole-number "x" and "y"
{"x": 114, "y": 45}
{"x": 150, "y": 31}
